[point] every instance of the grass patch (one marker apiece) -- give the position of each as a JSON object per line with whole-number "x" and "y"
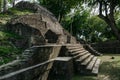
{"x": 12, "y": 12}
{"x": 109, "y": 69}
{"x": 78, "y": 77}
{"x": 15, "y": 11}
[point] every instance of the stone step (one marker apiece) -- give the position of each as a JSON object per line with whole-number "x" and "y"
{"x": 74, "y": 47}
{"x": 86, "y": 61}
{"x": 80, "y": 54}
{"x": 27, "y": 50}
{"x": 74, "y": 50}
{"x": 63, "y": 59}
{"x": 83, "y": 57}
{"x": 91, "y": 64}
{"x": 77, "y": 52}
{"x": 96, "y": 67}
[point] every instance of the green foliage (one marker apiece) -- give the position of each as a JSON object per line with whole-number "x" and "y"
{"x": 59, "y": 7}
{"x": 5, "y": 60}
{"x": 98, "y": 30}
{"x": 117, "y": 17}
{"x": 6, "y": 35}
{"x": 12, "y": 12}
{"x": 5, "y": 50}
{"x": 15, "y": 11}
{"x": 8, "y": 53}
{"x": 74, "y": 21}
{"x": 91, "y": 29}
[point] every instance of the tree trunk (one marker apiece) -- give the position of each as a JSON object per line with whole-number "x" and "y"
{"x": 114, "y": 28}
{"x": 111, "y": 23}
{"x": 4, "y": 5}
{"x": 13, "y": 3}
{"x": 1, "y": 6}
{"x": 109, "y": 17}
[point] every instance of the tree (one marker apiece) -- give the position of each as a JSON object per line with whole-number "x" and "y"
{"x": 12, "y": 2}
{"x": 4, "y": 6}
{"x": 107, "y": 9}
{"x": 99, "y": 30}
{"x": 75, "y": 21}
{"x": 89, "y": 28}
{"x": 59, "y": 7}
{"x": 1, "y": 5}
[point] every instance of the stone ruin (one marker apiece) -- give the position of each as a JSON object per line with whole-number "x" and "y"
{"x": 37, "y": 29}
{"x": 42, "y": 37}
{"x": 44, "y": 40}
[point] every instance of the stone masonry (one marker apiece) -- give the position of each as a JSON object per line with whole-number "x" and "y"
{"x": 38, "y": 31}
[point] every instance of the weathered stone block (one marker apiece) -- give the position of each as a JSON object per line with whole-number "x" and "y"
{"x": 31, "y": 57}
{"x": 62, "y": 69}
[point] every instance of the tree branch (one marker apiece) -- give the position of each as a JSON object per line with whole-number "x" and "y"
{"x": 105, "y": 18}
{"x": 106, "y": 10}
{"x": 100, "y": 7}
{"x": 112, "y": 7}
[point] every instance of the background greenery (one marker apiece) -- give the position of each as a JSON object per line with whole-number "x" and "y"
{"x": 79, "y": 17}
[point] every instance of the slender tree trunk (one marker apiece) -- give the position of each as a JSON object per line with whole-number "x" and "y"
{"x": 4, "y": 5}
{"x": 1, "y": 6}
{"x": 13, "y": 3}
{"x": 60, "y": 16}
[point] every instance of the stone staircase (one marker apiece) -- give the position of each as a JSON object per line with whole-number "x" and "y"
{"x": 84, "y": 62}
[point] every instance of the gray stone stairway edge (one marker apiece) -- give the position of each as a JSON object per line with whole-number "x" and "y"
{"x": 92, "y": 64}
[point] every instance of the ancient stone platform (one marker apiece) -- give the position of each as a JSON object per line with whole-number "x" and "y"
{"x": 44, "y": 39}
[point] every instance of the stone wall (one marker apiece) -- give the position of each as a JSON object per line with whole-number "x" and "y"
{"x": 29, "y": 36}
{"x": 62, "y": 69}
{"x": 107, "y": 47}
{"x": 31, "y": 57}
{"x": 37, "y": 30}
{"x": 41, "y": 24}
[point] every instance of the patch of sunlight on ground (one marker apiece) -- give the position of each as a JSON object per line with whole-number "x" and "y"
{"x": 109, "y": 69}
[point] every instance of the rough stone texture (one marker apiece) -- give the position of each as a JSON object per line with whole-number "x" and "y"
{"x": 92, "y": 50}
{"x": 62, "y": 69}
{"x": 36, "y": 29}
{"x": 31, "y": 57}
{"x": 107, "y": 47}
{"x": 30, "y": 36}
{"x": 33, "y": 7}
